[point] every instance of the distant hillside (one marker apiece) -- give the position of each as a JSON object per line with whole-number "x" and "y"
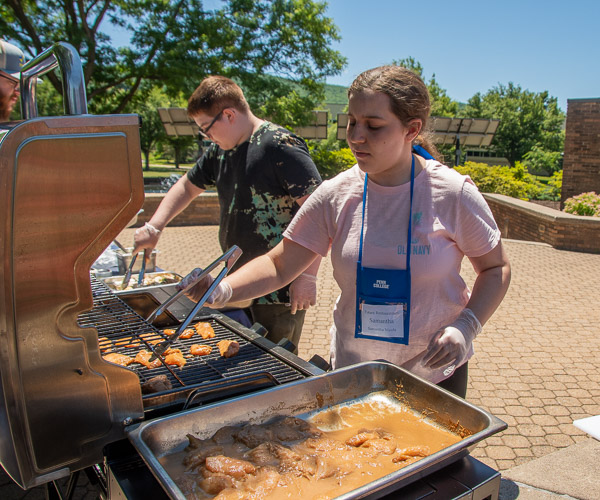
{"x": 336, "y": 100}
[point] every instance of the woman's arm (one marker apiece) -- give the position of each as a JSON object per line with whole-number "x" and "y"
{"x": 451, "y": 344}
{"x": 491, "y": 284}
{"x": 269, "y": 272}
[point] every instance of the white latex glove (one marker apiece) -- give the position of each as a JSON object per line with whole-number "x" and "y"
{"x": 451, "y": 344}
{"x": 217, "y": 299}
{"x": 303, "y": 292}
{"x": 145, "y": 237}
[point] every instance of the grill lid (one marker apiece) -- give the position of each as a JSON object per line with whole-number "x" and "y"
{"x": 70, "y": 184}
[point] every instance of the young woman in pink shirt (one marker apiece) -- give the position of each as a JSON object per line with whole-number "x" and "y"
{"x": 398, "y": 225}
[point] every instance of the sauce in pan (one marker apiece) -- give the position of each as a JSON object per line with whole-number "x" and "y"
{"x": 332, "y": 452}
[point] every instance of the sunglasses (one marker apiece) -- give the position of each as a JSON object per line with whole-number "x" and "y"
{"x": 204, "y": 131}
{"x": 11, "y": 79}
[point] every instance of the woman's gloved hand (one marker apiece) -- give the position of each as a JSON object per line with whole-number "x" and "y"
{"x": 303, "y": 292}
{"x": 217, "y": 299}
{"x": 451, "y": 344}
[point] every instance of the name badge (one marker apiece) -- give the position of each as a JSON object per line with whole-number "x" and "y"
{"x": 383, "y": 320}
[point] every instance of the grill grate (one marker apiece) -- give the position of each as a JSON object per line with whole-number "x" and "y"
{"x": 123, "y": 331}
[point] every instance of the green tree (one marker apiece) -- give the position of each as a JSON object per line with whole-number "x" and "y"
{"x": 176, "y": 43}
{"x": 527, "y": 119}
{"x": 441, "y": 103}
{"x": 145, "y": 104}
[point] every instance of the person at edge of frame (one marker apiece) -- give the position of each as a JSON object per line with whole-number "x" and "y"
{"x": 11, "y": 61}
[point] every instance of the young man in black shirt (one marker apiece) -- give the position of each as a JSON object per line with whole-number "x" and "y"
{"x": 262, "y": 173}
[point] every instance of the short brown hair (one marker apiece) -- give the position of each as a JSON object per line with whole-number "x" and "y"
{"x": 408, "y": 94}
{"x": 214, "y": 94}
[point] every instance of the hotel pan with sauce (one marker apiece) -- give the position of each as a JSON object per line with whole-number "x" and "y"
{"x": 163, "y": 436}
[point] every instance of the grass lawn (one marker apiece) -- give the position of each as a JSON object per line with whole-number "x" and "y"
{"x": 164, "y": 170}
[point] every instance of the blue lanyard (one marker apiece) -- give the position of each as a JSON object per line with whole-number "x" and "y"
{"x": 362, "y": 228}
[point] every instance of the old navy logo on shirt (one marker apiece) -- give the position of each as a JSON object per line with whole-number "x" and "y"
{"x": 381, "y": 284}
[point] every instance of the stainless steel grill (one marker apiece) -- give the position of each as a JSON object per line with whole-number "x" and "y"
{"x": 251, "y": 368}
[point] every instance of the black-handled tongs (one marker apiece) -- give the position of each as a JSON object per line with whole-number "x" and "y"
{"x": 229, "y": 258}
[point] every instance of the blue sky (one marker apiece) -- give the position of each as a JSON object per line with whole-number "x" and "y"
{"x": 472, "y": 46}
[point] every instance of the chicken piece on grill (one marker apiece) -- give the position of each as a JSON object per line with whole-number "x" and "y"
{"x": 143, "y": 358}
{"x": 175, "y": 357}
{"x": 188, "y": 333}
{"x": 230, "y": 466}
{"x": 205, "y": 330}
{"x": 105, "y": 345}
{"x": 156, "y": 384}
{"x": 169, "y": 331}
{"x": 228, "y": 348}
{"x": 118, "y": 359}
{"x": 200, "y": 350}
{"x": 123, "y": 342}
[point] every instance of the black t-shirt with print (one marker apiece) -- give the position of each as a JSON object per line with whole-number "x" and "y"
{"x": 257, "y": 184}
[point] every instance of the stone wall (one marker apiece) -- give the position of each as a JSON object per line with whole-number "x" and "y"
{"x": 522, "y": 220}
{"x": 581, "y": 163}
{"x": 517, "y": 219}
{"x": 203, "y": 211}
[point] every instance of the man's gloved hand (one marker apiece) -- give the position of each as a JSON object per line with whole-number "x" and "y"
{"x": 217, "y": 299}
{"x": 145, "y": 237}
{"x": 451, "y": 344}
{"x": 303, "y": 292}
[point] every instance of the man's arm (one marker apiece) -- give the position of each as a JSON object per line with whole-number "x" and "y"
{"x": 175, "y": 201}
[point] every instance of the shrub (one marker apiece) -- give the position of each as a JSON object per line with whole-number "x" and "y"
{"x": 584, "y": 204}
{"x": 332, "y": 162}
{"x": 553, "y": 188}
{"x": 510, "y": 181}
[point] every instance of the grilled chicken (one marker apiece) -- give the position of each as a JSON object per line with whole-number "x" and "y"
{"x": 175, "y": 357}
{"x": 143, "y": 358}
{"x": 228, "y": 348}
{"x": 188, "y": 333}
{"x": 200, "y": 350}
{"x": 204, "y": 330}
{"x": 118, "y": 359}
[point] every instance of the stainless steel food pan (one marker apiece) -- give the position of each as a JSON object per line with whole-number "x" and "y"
{"x": 159, "y": 278}
{"x": 124, "y": 259}
{"x": 163, "y": 436}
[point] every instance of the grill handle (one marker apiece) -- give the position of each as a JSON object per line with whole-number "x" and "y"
{"x": 65, "y": 57}
{"x": 233, "y": 386}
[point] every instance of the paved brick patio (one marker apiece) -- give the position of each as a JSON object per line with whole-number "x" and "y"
{"x": 537, "y": 362}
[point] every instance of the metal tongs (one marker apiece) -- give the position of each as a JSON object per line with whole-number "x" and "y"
{"x": 127, "y": 276}
{"x": 229, "y": 258}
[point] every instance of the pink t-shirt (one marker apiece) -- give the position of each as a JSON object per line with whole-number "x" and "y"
{"x": 450, "y": 219}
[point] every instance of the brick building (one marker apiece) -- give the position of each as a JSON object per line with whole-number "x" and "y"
{"x": 581, "y": 165}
